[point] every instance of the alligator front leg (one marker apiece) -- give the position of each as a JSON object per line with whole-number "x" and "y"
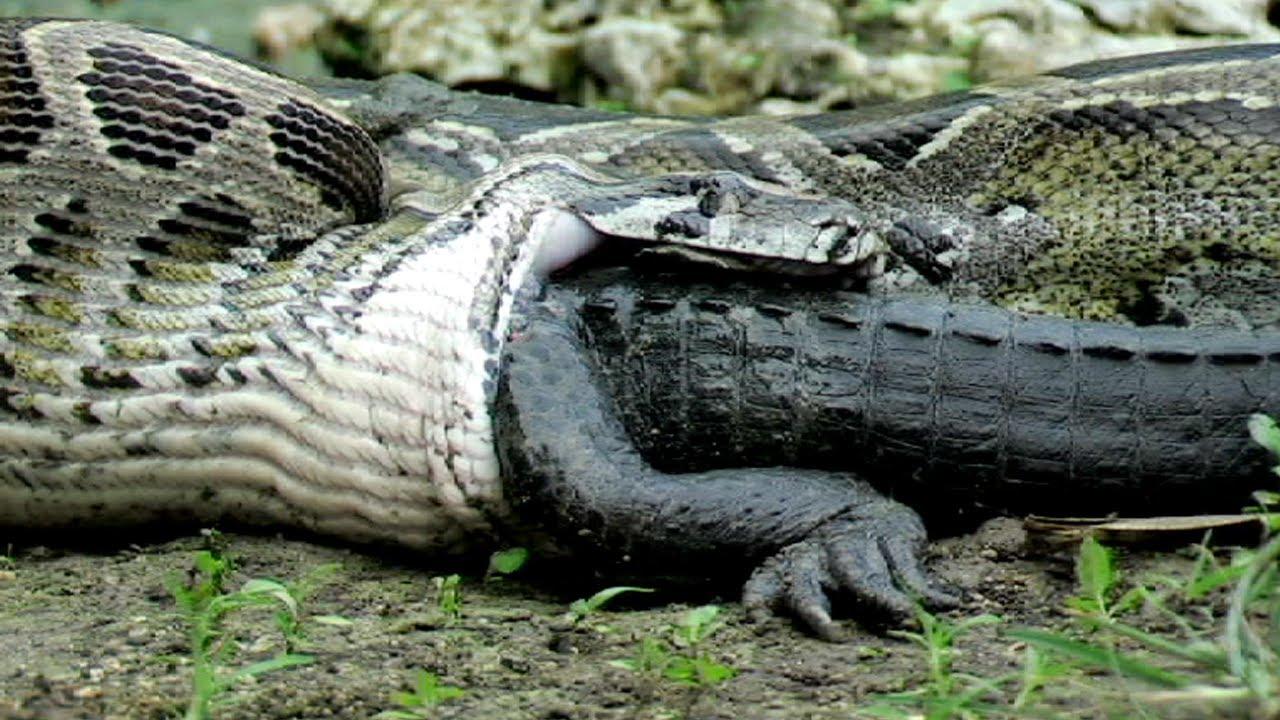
{"x": 808, "y": 534}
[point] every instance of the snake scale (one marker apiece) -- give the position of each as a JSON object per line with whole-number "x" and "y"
{"x": 228, "y": 295}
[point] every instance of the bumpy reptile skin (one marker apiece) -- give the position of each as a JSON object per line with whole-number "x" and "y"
{"x": 182, "y": 339}
{"x": 1079, "y": 191}
{"x": 759, "y": 412}
{"x": 986, "y": 407}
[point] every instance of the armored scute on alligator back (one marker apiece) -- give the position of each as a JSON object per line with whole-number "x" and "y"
{"x": 954, "y": 406}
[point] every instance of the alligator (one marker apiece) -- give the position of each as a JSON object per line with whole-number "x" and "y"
{"x": 695, "y": 402}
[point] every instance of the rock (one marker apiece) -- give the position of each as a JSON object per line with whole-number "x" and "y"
{"x": 709, "y": 57}
{"x": 1019, "y": 37}
{"x": 283, "y": 29}
{"x": 637, "y": 57}
{"x": 457, "y": 43}
{"x": 1204, "y": 17}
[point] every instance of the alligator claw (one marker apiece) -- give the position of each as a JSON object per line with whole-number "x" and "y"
{"x": 871, "y": 553}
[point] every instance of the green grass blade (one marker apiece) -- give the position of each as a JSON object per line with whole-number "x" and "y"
{"x": 1212, "y": 660}
{"x": 271, "y": 665}
{"x": 1099, "y": 657}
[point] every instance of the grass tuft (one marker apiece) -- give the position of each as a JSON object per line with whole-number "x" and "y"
{"x": 205, "y": 603}
{"x": 428, "y": 693}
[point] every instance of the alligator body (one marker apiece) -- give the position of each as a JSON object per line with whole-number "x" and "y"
{"x": 666, "y": 417}
{"x": 966, "y": 402}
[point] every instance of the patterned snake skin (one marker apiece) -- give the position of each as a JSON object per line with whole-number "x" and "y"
{"x": 1079, "y": 191}
{"x": 228, "y": 295}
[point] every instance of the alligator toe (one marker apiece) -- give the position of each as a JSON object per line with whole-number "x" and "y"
{"x": 870, "y": 554}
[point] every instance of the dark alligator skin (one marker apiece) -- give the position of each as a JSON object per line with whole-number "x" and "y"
{"x": 721, "y": 427}
{"x": 931, "y": 400}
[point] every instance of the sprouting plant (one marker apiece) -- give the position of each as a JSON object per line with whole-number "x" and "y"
{"x": 427, "y": 693}
{"x": 205, "y": 603}
{"x": 681, "y": 659}
{"x": 582, "y": 608}
{"x": 1098, "y": 579}
{"x": 1264, "y": 431}
{"x": 1229, "y": 663}
{"x": 694, "y": 667}
{"x": 1038, "y": 672}
{"x": 1242, "y": 669}
{"x": 938, "y": 638}
{"x": 947, "y": 693}
{"x": 291, "y": 596}
{"x": 449, "y": 596}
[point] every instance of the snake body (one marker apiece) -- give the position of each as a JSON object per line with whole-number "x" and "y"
{"x": 220, "y": 300}
{"x": 1081, "y": 192}
{"x": 181, "y": 338}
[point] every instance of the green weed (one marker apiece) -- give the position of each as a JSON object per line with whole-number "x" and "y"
{"x": 1236, "y": 665}
{"x": 205, "y": 603}
{"x": 428, "y": 693}
{"x": 291, "y": 596}
{"x": 680, "y": 657}
{"x": 947, "y": 693}
{"x": 449, "y": 596}
{"x": 583, "y": 608}
{"x": 692, "y": 665}
{"x": 1098, "y": 579}
{"x": 1200, "y": 658}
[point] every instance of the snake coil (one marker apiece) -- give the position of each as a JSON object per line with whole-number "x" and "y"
{"x": 172, "y": 149}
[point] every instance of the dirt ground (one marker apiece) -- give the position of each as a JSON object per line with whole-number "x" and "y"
{"x": 98, "y": 636}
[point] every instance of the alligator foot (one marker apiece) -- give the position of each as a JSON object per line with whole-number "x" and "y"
{"x": 871, "y": 552}
{"x": 572, "y": 469}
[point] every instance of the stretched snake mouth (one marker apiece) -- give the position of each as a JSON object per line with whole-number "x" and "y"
{"x": 747, "y": 263}
{"x": 566, "y": 239}
{"x": 648, "y": 257}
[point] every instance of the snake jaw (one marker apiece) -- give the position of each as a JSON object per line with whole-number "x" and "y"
{"x": 740, "y": 216}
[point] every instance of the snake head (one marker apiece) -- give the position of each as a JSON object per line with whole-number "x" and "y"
{"x": 739, "y": 215}
{"x": 718, "y": 214}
